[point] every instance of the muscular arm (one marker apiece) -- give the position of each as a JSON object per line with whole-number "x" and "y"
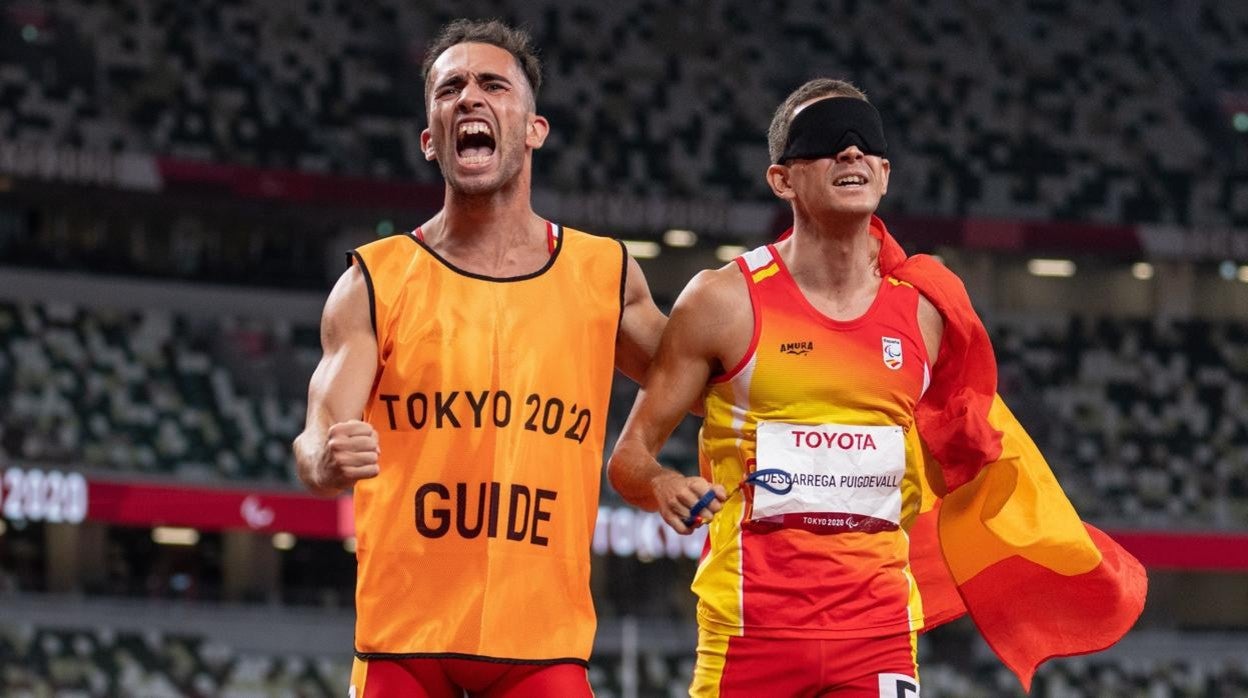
{"x": 640, "y": 327}
{"x": 711, "y": 320}
{"x": 335, "y": 448}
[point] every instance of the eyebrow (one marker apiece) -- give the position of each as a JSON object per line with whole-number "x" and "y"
{"x": 459, "y": 79}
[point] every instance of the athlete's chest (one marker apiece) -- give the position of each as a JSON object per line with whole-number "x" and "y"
{"x": 474, "y": 359}
{"x": 463, "y": 320}
{"x": 877, "y": 365}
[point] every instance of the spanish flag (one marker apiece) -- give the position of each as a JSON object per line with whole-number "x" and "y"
{"x": 996, "y": 536}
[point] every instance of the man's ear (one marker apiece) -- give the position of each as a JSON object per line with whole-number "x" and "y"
{"x": 426, "y": 145}
{"x": 778, "y": 179}
{"x": 537, "y": 131}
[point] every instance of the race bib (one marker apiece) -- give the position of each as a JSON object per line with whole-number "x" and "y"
{"x": 843, "y": 478}
{"x": 898, "y": 686}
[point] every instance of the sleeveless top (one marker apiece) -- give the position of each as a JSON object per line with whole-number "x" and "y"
{"x": 490, "y": 402}
{"x": 826, "y": 407}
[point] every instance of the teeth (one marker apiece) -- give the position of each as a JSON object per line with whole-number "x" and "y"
{"x": 475, "y": 127}
{"x": 476, "y": 159}
{"x": 850, "y": 179}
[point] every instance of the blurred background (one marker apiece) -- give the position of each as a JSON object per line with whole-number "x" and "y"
{"x": 179, "y": 180}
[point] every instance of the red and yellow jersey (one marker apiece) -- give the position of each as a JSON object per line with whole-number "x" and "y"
{"x": 830, "y": 404}
{"x": 490, "y": 403}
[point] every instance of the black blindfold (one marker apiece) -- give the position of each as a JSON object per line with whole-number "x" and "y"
{"x": 825, "y": 128}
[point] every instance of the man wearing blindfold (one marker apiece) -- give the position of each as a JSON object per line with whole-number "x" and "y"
{"x": 835, "y": 534}
{"x": 812, "y": 361}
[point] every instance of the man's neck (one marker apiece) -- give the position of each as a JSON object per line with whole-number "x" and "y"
{"x": 496, "y": 234}
{"x": 836, "y": 258}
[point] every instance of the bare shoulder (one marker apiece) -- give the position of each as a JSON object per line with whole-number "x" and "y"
{"x": 635, "y": 287}
{"x": 928, "y": 311}
{"x": 348, "y": 309}
{"x": 713, "y": 317}
{"x": 932, "y": 325}
{"x": 715, "y": 291}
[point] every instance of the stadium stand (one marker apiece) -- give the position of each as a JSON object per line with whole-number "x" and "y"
{"x": 102, "y": 662}
{"x": 151, "y": 392}
{"x": 1052, "y": 116}
{"x": 77, "y": 662}
{"x": 1144, "y": 421}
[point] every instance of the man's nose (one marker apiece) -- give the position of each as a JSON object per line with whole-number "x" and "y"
{"x": 470, "y": 97}
{"x": 850, "y": 154}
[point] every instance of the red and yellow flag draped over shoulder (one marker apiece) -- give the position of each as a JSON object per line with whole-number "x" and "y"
{"x": 1003, "y": 543}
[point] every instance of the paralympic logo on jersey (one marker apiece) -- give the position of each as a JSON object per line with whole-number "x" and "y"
{"x": 892, "y": 352}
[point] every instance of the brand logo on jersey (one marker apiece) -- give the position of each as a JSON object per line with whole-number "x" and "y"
{"x": 797, "y": 348}
{"x": 892, "y": 352}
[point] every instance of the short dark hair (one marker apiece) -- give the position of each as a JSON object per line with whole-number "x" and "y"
{"x": 517, "y": 42}
{"x": 778, "y": 132}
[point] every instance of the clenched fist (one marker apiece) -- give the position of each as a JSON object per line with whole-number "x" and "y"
{"x": 350, "y": 454}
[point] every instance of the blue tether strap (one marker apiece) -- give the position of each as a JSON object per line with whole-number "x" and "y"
{"x": 758, "y": 477}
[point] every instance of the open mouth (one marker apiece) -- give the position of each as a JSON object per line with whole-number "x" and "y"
{"x": 851, "y": 180}
{"x": 474, "y": 142}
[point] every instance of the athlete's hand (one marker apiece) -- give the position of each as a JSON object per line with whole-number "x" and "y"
{"x": 677, "y": 494}
{"x": 350, "y": 454}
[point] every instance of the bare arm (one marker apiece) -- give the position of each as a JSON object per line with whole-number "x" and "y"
{"x": 932, "y": 326}
{"x": 336, "y": 448}
{"x": 640, "y": 327}
{"x": 706, "y": 326}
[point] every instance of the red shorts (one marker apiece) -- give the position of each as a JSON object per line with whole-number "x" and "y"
{"x": 451, "y": 678}
{"x": 746, "y": 666}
